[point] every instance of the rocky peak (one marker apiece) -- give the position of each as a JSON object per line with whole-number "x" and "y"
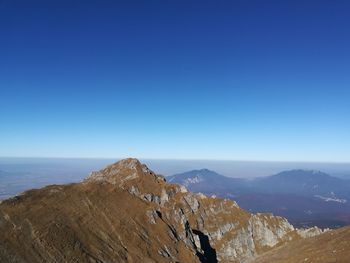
{"x": 123, "y": 172}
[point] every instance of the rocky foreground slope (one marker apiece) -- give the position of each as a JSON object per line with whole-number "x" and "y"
{"x": 127, "y": 213}
{"x": 333, "y": 246}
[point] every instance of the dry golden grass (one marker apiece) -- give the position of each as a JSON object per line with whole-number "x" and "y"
{"x": 329, "y": 247}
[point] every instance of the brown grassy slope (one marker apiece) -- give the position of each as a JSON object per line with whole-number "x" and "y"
{"x": 82, "y": 223}
{"x": 329, "y": 247}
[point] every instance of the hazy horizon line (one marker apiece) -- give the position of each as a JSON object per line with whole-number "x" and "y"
{"x": 177, "y": 159}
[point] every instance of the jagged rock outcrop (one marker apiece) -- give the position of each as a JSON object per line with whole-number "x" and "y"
{"x": 127, "y": 213}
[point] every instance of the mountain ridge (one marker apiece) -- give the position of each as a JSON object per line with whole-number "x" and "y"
{"x": 127, "y": 213}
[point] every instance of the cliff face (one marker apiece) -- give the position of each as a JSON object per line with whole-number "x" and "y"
{"x": 127, "y": 213}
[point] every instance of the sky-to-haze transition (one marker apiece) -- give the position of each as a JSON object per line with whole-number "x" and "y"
{"x": 240, "y": 80}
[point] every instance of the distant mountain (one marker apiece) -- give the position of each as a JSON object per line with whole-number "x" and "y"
{"x": 305, "y": 197}
{"x": 300, "y": 182}
{"x": 196, "y": 176}
{"x": 307, "y": 183}
{"x": 208, "y": 182}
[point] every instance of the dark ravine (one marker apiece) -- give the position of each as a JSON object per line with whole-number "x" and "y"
{"x": 127, "y": 213}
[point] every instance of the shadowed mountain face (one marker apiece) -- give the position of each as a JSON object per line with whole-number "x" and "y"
{"x": 127, "y": 213}
{"x": 305, "y": 197}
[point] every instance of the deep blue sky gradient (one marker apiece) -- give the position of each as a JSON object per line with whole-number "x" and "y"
{"x": 246, "y": 80}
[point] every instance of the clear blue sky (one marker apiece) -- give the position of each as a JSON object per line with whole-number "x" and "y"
{"x": 246, "y": 80}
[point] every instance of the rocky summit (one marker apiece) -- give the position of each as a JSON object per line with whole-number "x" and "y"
{"x": 127, "y": 213}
